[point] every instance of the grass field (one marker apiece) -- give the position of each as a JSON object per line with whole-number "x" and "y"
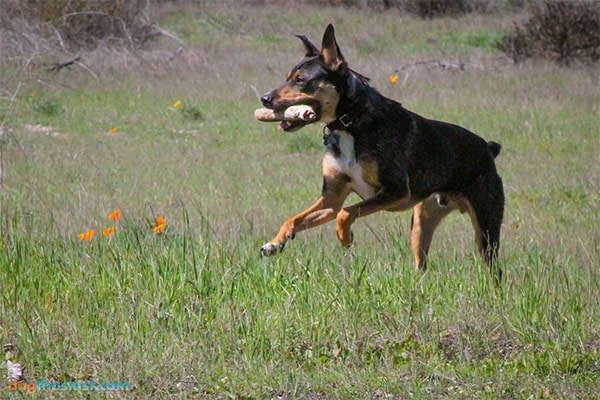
{"x": 196, "y": 312}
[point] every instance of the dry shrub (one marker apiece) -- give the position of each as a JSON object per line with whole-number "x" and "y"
{"x": 563, "y": 30}
{"x": 437, "y": 8}
{"x": 422, "y": 8}
{"x": 80, "y": 24}
{"x": 372, "y": 4}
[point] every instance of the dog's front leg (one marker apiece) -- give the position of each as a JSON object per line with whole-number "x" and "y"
{"x": 292, "y": 225}
{"x": 324, "y": 210}
{"x": 381, "y": 201}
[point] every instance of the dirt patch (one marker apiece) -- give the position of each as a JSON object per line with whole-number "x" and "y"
{"x": 456, "y": 343}
{"x": 42, "y": 129}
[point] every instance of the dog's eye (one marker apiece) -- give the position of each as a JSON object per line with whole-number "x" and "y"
{"x": 299, "y": 80}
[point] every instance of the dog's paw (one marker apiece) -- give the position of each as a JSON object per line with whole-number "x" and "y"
{"x": 350, "y": 244}
{"x": 270, "y": 249}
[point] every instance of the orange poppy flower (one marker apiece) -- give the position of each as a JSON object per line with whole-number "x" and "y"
{"x": 109, "y": 231}
{"x": 115, "y": 215}
{"x": 158, "y": 226}
{"x": 394, "y": 78}
{"x": 113, "y": 131}
{"x": 87, "y": 236}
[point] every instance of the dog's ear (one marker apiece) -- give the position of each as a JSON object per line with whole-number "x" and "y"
{"x": 330, "y": 52}
{"x": 311, "y": 49}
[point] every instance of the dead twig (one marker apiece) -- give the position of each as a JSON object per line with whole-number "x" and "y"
{"x": 443, "y": 64}
{"x": 58, "y": 66}
{"x": 169, "y": 34}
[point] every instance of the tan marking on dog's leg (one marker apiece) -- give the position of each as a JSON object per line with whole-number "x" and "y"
{"x": 426, "y": 217}
{"x": 348, "y": 215}
{"x": 419, "y": 240}
{"x": 321, "y": 212}
{"x": 344, "y": 220}
{"x": 335, "y": 191}
{"x": 324, "y": 210}
{"x": 289, "y": 227}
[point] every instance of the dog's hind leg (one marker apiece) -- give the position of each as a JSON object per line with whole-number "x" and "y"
{"x": 486, "y": 211}
{"x": 425, "y": 219}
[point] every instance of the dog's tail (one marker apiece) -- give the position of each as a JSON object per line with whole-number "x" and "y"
{"x": 494, "y": 148}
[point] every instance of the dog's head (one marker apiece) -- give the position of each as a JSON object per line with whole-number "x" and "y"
{"x": 316, "y": 81}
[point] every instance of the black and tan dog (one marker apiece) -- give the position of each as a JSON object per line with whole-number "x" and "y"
{"x": 392, "y": 158}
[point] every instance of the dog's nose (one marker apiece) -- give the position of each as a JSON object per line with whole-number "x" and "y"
{"x": 267, "y": 100}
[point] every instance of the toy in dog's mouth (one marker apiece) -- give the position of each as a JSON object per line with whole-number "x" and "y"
{"x": 291, "y": 119}
{"x": 291, "y": 126}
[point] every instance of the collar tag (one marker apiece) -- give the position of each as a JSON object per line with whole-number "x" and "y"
{"x": 330, "y": 137}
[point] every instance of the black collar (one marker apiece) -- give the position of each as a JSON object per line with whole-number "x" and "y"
{"x": 350, "y": 111}
{"x": 349, "y": 114}
{"x": 342, "y": 123}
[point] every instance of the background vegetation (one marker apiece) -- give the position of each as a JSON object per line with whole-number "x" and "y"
{"x": 162, "y": 127}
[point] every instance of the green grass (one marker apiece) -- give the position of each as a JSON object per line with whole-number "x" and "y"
{"x": 197, "y": 313}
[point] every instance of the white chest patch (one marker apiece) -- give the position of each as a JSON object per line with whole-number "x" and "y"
{"x": 347, "y": 164}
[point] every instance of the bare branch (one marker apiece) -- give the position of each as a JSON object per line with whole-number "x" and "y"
{"x": 58, "y": 66}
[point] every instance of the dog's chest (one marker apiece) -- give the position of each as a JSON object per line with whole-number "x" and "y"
{"x": 361, "y": 175}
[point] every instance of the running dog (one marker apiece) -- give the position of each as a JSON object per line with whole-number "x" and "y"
{"x": 391, "y": 157}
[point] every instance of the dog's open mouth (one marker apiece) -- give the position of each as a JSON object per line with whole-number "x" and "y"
{"x": 291, "y": 118}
